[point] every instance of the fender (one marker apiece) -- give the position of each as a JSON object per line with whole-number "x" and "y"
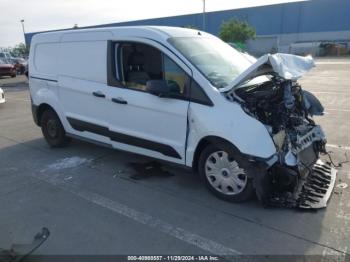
{"x": 246, "y": 133}
{"x": 47, "y": 95}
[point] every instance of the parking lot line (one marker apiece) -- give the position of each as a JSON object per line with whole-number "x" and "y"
{"x": 338, "y": 146}
{"x": 140, "y": 217}
{"x": 332, "y": 63}
{"x": 340, "y": 110}
{"x": 330, "y": 93}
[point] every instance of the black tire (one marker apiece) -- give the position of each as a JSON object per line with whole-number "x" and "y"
{"x": 246, "y": 192}
{"x": 53, "y": 130}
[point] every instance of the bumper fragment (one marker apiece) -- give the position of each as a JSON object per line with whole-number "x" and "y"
{"x": 316, "y": 189}
{"x": 313, "y": 189}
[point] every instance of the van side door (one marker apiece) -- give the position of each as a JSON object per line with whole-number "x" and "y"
{"x": 139, "y": 121}
{"x": 82, "y": 87}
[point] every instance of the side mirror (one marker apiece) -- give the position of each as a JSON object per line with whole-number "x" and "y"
{"x": 158, "y": 88}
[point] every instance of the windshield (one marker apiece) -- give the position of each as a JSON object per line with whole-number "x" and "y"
{"x": 218, "y": 62}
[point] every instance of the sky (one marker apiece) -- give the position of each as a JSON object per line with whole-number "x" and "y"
{"x": 41, "y": 15}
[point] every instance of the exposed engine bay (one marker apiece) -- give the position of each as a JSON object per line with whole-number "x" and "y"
{"x": 296, "y": 177}
{"x": 281, "y": 107}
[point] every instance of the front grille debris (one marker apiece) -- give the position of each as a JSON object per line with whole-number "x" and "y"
{"x": 313, "y": 191}
{"x": 316, "y": 189}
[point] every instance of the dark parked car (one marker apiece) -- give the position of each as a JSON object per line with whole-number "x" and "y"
{"x": 7, "y": 69}
{"x": 20, "y": 65}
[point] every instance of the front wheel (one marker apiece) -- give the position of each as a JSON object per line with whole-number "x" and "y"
{"x": 224, "y": 175}
{"x": 53, "y": 129}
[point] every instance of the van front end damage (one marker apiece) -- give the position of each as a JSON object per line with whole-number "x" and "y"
{"x": 299, "y": 178}
{"x": 296, "y": 177}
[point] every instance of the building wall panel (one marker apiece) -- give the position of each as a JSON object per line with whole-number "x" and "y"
{"x": 314, "y": 16}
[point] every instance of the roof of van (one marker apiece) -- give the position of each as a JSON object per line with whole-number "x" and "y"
{"x": 102, "y": 33}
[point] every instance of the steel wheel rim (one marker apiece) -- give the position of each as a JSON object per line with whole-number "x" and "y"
{"x": 52, "y": 128}
{"x": 224, "y": 174}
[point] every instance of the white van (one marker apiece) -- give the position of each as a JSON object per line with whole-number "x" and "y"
{"x": 186, "y": 97}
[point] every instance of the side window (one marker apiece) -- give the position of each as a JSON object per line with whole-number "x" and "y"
{"x": 177, "y": 79}
{"x": 139, "y": 63}
{"x": 197, "y": 95}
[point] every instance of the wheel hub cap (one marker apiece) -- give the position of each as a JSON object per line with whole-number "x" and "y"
{"x": 224, "y": 173}
{"x": 52, "y": 128}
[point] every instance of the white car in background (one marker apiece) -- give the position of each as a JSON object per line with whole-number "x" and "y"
{"x": 5, "y": 55}
{"x": 2, "y": 96}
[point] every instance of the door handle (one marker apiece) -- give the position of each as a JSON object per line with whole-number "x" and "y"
{"x": 99, "y": 94}
{"x": 119, "y": 101}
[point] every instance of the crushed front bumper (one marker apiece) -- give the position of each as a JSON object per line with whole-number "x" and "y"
{"x": 312, "y": 190}
{"x": 315, "y": 190}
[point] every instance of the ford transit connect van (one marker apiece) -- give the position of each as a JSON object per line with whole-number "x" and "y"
{"x": 186, "y": 97}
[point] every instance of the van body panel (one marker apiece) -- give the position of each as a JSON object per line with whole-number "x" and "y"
{"x": 45, "y": 61}
{"x": 86, "y": 36}
{"x": 77, "y": 100}
{"x": 84, "y": 60}
{"x": 42, "y": 92}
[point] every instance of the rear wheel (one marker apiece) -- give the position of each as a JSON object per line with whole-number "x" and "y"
{"x": 53, "y": 129}
{"x": 224, "y": 175}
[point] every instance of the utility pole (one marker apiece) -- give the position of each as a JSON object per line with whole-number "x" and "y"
{"x": 203, "y": 15}
{"x": 24, "y": 33}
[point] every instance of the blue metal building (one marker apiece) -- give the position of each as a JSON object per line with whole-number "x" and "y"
{"x": 277, "y": 26}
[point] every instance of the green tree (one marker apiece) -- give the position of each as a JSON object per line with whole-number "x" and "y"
{"x": 19, "y": 50}
{"x": 236, "y": 31}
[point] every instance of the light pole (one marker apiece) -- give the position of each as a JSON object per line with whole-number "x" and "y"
{"x": 203, "y": 15}
{"x": 24, "y": 33}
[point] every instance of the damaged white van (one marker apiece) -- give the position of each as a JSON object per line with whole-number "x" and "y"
{"x": 184, "y": 96}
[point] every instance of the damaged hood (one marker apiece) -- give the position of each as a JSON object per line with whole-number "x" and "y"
{"x": 289, "y": 67}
